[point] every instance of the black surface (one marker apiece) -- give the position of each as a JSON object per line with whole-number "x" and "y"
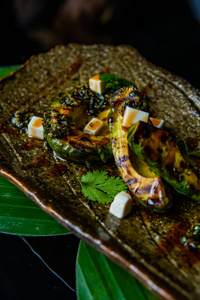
{"x": 168, "y": 35}
{"x": 24, "y": 275}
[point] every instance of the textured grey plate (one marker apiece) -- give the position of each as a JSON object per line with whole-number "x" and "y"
{"x": 146, "y": 244}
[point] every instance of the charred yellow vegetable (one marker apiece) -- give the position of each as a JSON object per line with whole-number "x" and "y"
{"x": 158, "y": 148}
{"x": 144, "y": 185}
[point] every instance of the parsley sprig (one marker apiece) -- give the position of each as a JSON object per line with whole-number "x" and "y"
{"x": 113, "y": 81}
{"x": 98, "y": 186}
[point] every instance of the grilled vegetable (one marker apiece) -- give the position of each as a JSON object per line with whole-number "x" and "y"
{"x": 65, "y": 120}
{"x": 158, "y": 148}
{"x": 144, "y": 185}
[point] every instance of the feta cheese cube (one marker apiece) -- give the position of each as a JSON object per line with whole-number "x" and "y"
{"x": 97, "y": 85}
{"x": 157, "y": 122}
{"x": 132, "y": 116}
{"x": 94, "y": 126}
{"x": 35, "y": 128}
{"x": 122, "y": 204}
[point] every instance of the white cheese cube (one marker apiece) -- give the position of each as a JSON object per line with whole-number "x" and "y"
{"x": 157, "y": 122}
{"x": 35, "y": 128}
{"x": 132, "y": 116}
{"x": 121, "y": 206}
{"x": 94, "y": 126}
{"x": 97, "y": 85}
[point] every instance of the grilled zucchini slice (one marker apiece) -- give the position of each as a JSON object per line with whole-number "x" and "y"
{"x": 145, "y": 186}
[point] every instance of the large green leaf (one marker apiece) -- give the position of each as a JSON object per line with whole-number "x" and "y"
{"x": 97, "y": 277}
{"x": 4, "y": 71}
{"x": 19, "y": 215}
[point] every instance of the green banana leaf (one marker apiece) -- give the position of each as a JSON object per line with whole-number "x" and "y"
{"x": 21, "y": 216}
{"x": 4, "y": 71}
{"x": 97, "y": 277}
{"x": 18, "y": 214}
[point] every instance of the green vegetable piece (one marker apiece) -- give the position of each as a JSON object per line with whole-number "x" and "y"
{"x": 98, "y": 186}
{"x": 64, "y": 124}
{"x": 158, "y": 148}
{"x": 67, "y": 116}
{"x": 145, "y": 186}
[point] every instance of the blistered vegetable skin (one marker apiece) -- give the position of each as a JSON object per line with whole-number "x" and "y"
{"x": 149, "y": 192}
{"x": 158, "y": 148}
{"x": 64, "y": 122}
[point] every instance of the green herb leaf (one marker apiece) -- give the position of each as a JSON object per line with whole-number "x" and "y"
{"x": 97, "y": 277}
{"x": 98, "y": 186}
{"x": 183, "y": 145}
{"x": 20, "y": 215}
{"x": 108, "y": 77}
{"x": 113, "y": 81}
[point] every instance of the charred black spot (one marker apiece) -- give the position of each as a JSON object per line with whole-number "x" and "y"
{"x": 117, "y": 102}
{"x": 192, "y": 187}
{"x": 135, "y": 139}
{"x": 79, "y": 146}
{"x": 85, "y": 139}
{"x": 175, "y": 170}
{"x": 131, "y": 181}
{"x": 171, "y": 170}
{"x": 146, "y": 189}
{"x": 147, "y": 149}
{"x": 127, "y": 98}
{"x": 181, "y": 178}
{"x": 183, "y": 164}
{"x": 111, "y": 120}
{"x": 122, "y": 160}
{"x": 132, "y": 95}
{"x": 118, "y": 92}
{"x": 167, "y": 137}
{"x": 146, "y": 130}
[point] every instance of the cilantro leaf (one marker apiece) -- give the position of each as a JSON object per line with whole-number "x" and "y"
{"x": 183, "y": 145}
{"x": 113, "y": 81}
{"x": 98, "y": 186}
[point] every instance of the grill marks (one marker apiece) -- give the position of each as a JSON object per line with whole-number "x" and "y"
{"x": 130, "y": 176}
{"x": 46, "y": 89}
{"x": 85, "y": 142}
{"x": 80, "y": 143}
{"x": 131, "y": 182}
{"x": 162, "y": 153}
{"x": 139, "y": 185}
{"x": 120, "y": 161}
{"x": 149, "y": 191}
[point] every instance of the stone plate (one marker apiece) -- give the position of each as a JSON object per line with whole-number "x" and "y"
{"x": 146, "y": 244}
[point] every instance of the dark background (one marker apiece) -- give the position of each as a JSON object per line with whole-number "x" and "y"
{"x": 167, "y": 33}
